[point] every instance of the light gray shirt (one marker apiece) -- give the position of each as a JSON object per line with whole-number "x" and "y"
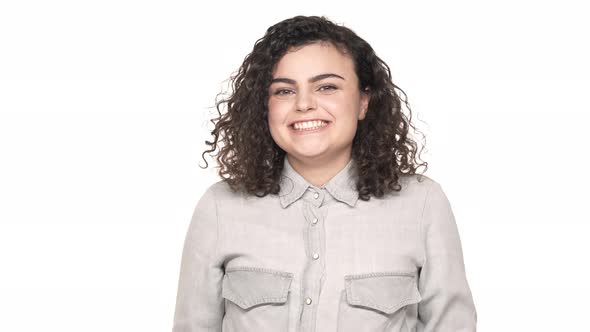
{"x": 320, "y": 259}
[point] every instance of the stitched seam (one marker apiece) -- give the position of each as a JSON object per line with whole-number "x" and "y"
{"x": 286, "y": 275}
{"x": 422, "y": 230}
{"x": 231, "y": 295}
{"x": 217, "y": 234}
{"x": 271, "y": 299}
{"x": 378, "y": 274}
{"x": 285, "y": 288}
{"x": 236, "y": 298}
{"x": 383, "y": 308}
{"x": 358, "y": 301}
{"x": 348, "y": 198}
{"x": 240, "y": 301}
{"x": 264, "y": 300}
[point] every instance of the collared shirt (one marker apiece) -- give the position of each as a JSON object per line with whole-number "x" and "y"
{"x": 320, "y": 259}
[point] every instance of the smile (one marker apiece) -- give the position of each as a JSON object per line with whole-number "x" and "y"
{"x": 309, "y": 126}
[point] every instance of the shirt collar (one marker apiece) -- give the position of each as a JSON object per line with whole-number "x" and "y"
{"x": 342, "y": 186}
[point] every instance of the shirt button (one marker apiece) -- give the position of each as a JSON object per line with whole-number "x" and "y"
{"x": 316, "y": 195}
{"x": 308, "y": 301}
{"x": 314, "y": 221}
{"x": 316, "y": 255}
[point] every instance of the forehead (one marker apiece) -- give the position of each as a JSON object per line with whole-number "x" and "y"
{"x": 312, "y": 59}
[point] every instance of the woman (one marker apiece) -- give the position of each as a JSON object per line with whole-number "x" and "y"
{"x": 320, "y": 222}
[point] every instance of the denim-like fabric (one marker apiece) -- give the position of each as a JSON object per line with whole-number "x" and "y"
{"x": 320, "y": 259}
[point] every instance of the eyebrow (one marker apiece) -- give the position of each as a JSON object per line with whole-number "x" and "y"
{"x": 311, "y": 80}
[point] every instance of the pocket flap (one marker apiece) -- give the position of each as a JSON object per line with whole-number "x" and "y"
{"x": 248, "y": 286}
{"x": 383, "y": 291}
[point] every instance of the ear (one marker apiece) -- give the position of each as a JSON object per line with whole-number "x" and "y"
{"x": 365, "y": 97}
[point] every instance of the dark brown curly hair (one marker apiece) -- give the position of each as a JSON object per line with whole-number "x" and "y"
{"x": 251, "y": 162}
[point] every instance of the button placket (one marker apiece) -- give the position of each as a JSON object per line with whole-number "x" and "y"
{"x": 315, "y": 196}
{"x": 314, "y": 267}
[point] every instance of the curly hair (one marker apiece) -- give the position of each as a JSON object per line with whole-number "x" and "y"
{"x": 251, "y": 162}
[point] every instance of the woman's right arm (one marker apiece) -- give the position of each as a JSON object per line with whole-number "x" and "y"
{"x": 199, "y": 304}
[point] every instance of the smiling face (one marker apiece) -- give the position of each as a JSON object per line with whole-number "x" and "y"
{"x": 315, "y": 82}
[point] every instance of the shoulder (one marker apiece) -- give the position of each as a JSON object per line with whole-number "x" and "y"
{"x": 424, "y": 191}
{"x": 430, "y": 196}
{"x": 218, "y": 187}
{"x": 220, "y": 191}
{"x": 417, "y": 184}
{"x": 213, "y": 195}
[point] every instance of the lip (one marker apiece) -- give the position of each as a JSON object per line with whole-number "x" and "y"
{"x": 303, "y": 132}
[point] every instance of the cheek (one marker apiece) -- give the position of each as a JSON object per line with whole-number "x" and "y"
{"x": 276, "y": 113}
{"x": 343, "y": 110}
{"x": 345, "y": 114}
{"x": 275, "y": 120}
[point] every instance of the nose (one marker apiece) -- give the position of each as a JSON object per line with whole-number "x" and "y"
{"x": 305, "y": 101}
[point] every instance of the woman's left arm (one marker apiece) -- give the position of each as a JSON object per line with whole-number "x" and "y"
{"x": 447, "y": 304}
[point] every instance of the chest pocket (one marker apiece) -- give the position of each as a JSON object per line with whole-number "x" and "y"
{"x": 256, "y": 299}
{"x": 377, "y": 301}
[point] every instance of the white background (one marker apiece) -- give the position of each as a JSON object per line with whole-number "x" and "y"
{"x": 104, "y": 109}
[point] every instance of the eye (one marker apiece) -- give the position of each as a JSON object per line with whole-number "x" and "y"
{"x": 328, "y": 87}
{"x": 282, "y": 92}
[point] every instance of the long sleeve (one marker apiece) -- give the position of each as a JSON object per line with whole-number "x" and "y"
{"x": 447, "y": 304}
{"x": 199, "y": 304}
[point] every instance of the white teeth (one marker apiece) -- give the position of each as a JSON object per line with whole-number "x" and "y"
{"x": 309, "y": 125}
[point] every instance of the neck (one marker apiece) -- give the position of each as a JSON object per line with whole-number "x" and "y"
{"x": 318, "y": 172}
